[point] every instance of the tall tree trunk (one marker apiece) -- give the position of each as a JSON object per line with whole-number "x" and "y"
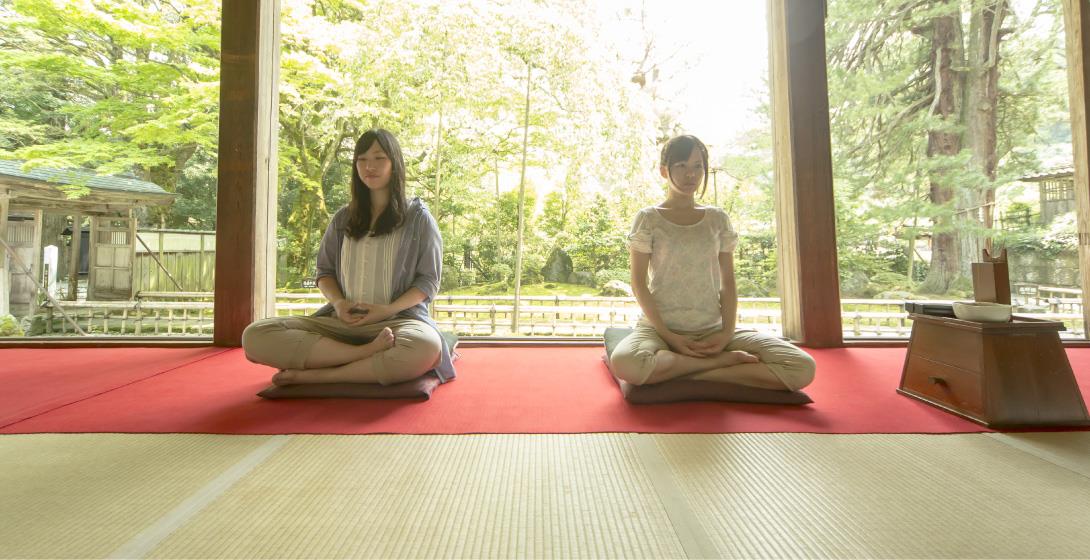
{"x": 309, "y": 215}
{"x": 522, "y": 201}
{"x": 167, "y": 176}
{"x": 943, "y": 141}
{"x": 981, "y": 99}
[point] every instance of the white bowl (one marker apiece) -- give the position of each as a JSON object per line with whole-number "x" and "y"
{"x": 982, "y": 311}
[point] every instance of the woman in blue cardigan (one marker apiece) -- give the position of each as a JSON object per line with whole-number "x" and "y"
{"x": 378, "y": 266}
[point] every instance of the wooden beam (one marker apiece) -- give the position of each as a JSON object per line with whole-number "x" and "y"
{"x": 92, "y": 253}
{"x": 132, "y": 253}
{"x": 22, "y": 206}
{"x": 5, "y": 273}
{"x": 21, "y": 189}
{"x": 246, "y": 205}
{"x": 267, "y": 177}
{"x": 36, "y": 260}
{"x": 805, "y": 210}
{"x": 1077, "y": 32}
{"x": 73, "y": 256}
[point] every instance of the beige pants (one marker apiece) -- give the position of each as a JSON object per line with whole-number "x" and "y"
{"x": 285, "y": 343}
{"x": 634, "y": 358}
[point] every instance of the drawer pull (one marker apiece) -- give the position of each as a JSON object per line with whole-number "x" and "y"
{"x": 936, "y": 380}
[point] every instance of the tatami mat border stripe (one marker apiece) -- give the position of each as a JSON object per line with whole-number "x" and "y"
{"x": 689, "y": 530}
{"x": 1022, "y": 443}
{"x": 149, "y": 538}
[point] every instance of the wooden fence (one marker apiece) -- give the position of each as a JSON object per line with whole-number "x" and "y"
{"x": 190, "y": 313}
{"x": 138, "y": 318}
{"x": 189, "y": 255}
{"x": 195, "y": 272}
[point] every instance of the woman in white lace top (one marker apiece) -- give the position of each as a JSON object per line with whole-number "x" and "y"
{"x": 690, "y": 304}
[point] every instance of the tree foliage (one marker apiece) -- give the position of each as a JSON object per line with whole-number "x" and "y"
{"x": 934, "y": 104}
{"x": 118, "y": 87}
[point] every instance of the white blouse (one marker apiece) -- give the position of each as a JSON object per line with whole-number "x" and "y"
{"x": 367, "y": 267}
{"x": 684, "y": 266}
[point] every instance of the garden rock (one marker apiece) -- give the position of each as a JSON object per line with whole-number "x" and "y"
{"x": 615, "y": 288}
{"x": 558, "y": 267}
{"x": 581, "y": 277}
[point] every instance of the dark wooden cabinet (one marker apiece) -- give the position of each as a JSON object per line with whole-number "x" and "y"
{"x": 998, "y": 374}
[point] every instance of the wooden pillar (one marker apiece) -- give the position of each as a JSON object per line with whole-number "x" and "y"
{"x": 1077, "y": 27}
{"x": 36, "y": 261}
{"x": 199, "y": 285}
{"x": 132, "y": 253}
{"x": 162, "y": 258}
{"x": 73, "y": 256}
{"x": 246, "y": 204}
{"x": 5, "y": 271}
{"x": 805, "y": 211}
{"x": 92, "y": 253}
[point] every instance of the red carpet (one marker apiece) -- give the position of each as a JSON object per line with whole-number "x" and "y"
{"x": 37, "y": 381}
{"x": 498, "y": 390}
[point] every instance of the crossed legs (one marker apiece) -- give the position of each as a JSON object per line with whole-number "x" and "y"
{"x": 325, "y": 350}
{"x": 644, "y": 358}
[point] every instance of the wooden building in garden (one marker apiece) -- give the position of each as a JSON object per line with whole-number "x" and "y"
{"x": 1056, "y": 189}
{"x": 33, "y": 200}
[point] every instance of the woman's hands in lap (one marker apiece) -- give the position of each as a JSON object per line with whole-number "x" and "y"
{"x": 713, "y": 344}
{"x": 375, "y": 313}
{"x": 344, "y": 310}
{"x": 707, "y": 347}
{"x": 359, "y": 313}
{"x": 682, "y": 345}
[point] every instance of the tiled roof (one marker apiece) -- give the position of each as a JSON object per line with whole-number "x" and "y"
{"x": 1056, "y": 173}
{"x": 81, "y": 177}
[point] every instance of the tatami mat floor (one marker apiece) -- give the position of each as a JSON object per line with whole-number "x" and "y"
{"x": 540, "y": 496}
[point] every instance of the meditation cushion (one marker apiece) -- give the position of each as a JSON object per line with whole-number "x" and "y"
{"x": 678, "y": 390}
{"x": 419, "y": 388}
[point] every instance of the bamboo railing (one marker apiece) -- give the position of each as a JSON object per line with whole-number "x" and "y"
{"x": 191, "y": 314}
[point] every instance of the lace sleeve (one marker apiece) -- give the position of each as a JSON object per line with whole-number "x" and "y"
{"x": 639, "y": 239}
{"x": 728, "y": 238}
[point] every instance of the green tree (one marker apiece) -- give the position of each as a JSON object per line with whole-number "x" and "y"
{"x": 929, "y": 101}
{"x": 598, "y": 242}
{"x": 132, "y": 87}
{"x": 127, "y": 87}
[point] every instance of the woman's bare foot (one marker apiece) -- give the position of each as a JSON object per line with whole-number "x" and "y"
{"x": 283, "y": 377}
{"x": 383, "y": 341}
{"x": 736, "y": 357}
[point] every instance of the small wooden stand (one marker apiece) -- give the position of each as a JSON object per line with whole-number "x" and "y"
{"x": 997, "y": 374}
{"x": 991, "y": 279}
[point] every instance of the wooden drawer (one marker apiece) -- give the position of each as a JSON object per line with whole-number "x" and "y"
{"x": 954, "y": 387}
{"x": 959, "y": 348}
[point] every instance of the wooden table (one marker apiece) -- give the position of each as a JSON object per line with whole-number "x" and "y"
{"x": 997, "y": 374}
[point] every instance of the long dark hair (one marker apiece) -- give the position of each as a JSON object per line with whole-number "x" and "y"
{"x": 679, "y": 148}
{"x": 359, "y": 209}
